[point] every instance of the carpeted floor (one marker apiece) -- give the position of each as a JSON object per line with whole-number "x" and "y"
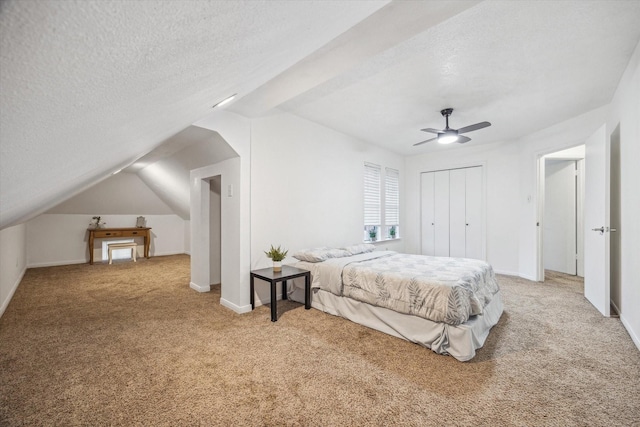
{"x": 132, "y": 344}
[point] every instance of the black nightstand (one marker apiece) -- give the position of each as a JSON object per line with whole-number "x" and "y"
{"x": 288, "y": 272}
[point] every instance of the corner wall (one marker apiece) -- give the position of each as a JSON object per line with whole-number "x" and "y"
{"x": 13, "y": 262}
{"x": 625, "y": 110}
{"x": 307, "y": 188}
{"x": 501, "y": 172}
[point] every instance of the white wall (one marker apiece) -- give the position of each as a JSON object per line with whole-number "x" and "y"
{"x": 501, "y": 180}
{"x": 60, "y": 235}
{"x": 625, "y": 110}
{"x": 123, "y": 193}
{"x": 13, "y": 262}
{"x": 307, "y": 187}
{"x": 57, "y": 239}
{"x": 235, "y": 213}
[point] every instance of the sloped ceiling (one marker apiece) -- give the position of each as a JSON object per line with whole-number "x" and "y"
{"x": 166, "y": 170}
{"x": 90, "y": 86}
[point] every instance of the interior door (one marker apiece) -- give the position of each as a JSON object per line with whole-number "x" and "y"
{"x": 428, "y": 213}
{"x": 441, "y": 202}
{"x": 596, "y": 231}
{"x": 473, "y": 213}
{"x": 457, "y": 217}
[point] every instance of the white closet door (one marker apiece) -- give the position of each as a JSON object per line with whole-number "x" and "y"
{"x": 457, "y": 245}
{"x": 473, "y": 213}
{"x": 428, "y": 213}
{"x": 441, "y": 202}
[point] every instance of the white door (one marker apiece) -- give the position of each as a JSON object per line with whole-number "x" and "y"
{"x": 473, "y": 204}
{"x": 457, "y": 216}
{"x": 441, "y": 202}
{"x": 427, "y": 213}
{"x": 596, "y": 235}
{"x": 560, "y": 216}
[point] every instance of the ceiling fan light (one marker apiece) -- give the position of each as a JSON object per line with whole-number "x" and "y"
{"x": 447, "y": 138}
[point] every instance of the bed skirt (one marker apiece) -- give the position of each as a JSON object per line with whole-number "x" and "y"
{"x": 460, "y": 341}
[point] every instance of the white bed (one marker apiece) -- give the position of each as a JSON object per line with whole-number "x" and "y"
{"x": 445, "y": 304}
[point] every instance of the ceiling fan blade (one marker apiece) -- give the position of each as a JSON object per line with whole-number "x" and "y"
{"x": 422, "y": 142}
{"x": 432, "y": 130}
{"x": 463, "y": 139}
{"x": 474, "y": 127}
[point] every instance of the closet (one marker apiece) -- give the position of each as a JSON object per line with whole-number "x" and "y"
{"x": 451, "y": 213}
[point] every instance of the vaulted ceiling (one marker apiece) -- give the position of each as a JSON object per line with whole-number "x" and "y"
{"x": 87, "y": 87}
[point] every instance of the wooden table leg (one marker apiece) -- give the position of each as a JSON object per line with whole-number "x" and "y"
{"x": 147, "y": 244}
{"x": 90, "y": 248}
{"x": 274, "y": 309}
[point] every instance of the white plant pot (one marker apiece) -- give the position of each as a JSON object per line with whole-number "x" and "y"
{"x": 277, "y": 265}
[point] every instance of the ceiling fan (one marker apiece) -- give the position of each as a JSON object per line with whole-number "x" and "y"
{"x": 448, "y": 135}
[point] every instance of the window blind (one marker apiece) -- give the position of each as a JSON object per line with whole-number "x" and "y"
{"x": 392, "y": 197}
{"x": 372, "y": 204}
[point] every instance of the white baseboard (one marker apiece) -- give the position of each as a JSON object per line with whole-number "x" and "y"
{"x": 238, "y": 309}
{"x": 507, "y": 273}
{"x": 7, "y": 300}
{"x": 95, "y": 260}
{"x": 631, "y": 332}
{"x": 200, "y": 288}
{"x": 57, "y": 263}
{"x": 163, "y": 254}
{"x": 526, "y": 276}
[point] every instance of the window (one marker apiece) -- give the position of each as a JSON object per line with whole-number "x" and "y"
{"x": 372, "y": 197}
{"x": 391, "y": 202}
{"x": 381, "y": 204}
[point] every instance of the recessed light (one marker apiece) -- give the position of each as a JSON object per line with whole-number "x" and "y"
{"x": 225, "y": 101}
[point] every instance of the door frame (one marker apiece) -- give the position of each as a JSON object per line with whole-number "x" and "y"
{"x": 540, "y": 201}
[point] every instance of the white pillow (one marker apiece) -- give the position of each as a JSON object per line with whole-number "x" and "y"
{"x": 319, "y": 254}
{"x": 362, "y": 248}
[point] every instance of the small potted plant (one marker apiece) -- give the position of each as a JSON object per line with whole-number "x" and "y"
{"x": 373, "y": 232}
{"x": 276, "y": 255}
{"x": 392, "y": 232}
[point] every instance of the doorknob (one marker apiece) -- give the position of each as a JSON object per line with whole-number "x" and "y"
{"x": 601, "y": 230}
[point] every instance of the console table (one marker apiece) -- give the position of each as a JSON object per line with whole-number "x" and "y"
{"x": 108, "y": 233}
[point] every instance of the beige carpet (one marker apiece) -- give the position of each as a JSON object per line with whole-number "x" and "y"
{"x": 132, "y": 344}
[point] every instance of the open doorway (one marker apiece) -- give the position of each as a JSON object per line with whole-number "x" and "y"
{"x": 615, "y": 248}
{"x": 562, "y": 213}
{"x": 215, "y": 237}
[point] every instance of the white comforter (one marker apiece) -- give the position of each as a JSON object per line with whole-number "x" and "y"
{"x": 448, "y": 290}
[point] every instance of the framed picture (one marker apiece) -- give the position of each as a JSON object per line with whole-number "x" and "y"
{"x": 141, "y": 222}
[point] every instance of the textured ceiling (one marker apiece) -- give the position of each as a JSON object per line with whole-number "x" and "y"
{"x": 87, "y": 87}
{"x": 521, "y": 65}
